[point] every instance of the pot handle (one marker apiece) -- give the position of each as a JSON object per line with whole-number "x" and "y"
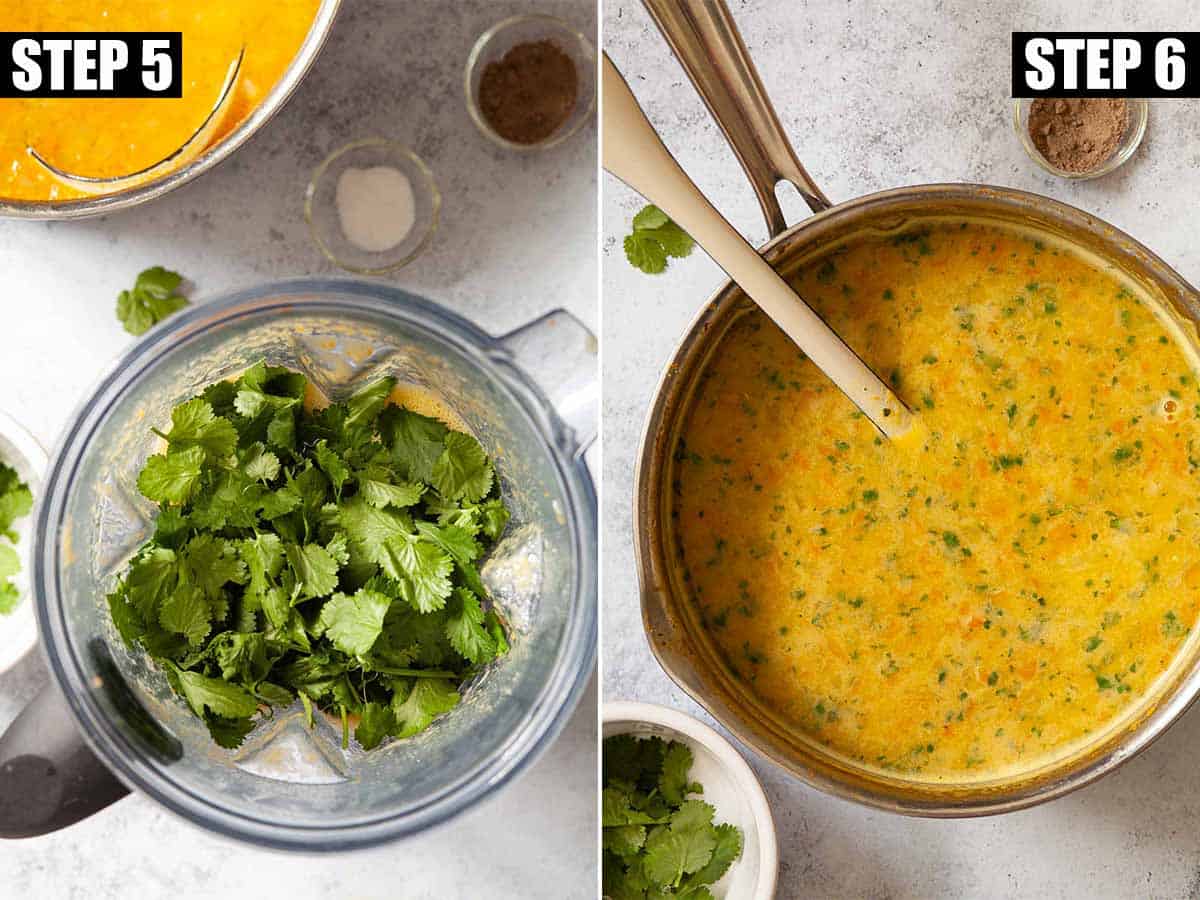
{"x": 560, "y": 354}
{"x": 707, "y": 43}
{"x": 49, "y": 779}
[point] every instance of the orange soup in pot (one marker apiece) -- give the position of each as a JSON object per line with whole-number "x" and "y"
{"x": 106, "y": 137}
{"x": 977, "y": 599}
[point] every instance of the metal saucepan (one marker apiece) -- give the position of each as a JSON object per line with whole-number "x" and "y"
{"x": 705, "y": 38}
{"x": 140, "y": 193}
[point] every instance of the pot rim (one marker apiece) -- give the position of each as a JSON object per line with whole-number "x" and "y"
{"x": 547, "y": 714}
{"x": 662, "y": 625}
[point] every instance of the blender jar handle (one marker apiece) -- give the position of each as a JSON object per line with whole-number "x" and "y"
{"x": 560, "y": 354}
{"x": 708, "y": 45}
{"x": 49, "y": 779}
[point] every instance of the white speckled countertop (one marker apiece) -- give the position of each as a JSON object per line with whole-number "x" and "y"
{"x": 517, "y": 238}
{"x": 878, "y": 95}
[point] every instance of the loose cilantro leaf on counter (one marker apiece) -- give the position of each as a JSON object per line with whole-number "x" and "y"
{"x": 153, "y": 297}
{"x": 327, "y": 555}
{"x": 16, "y": 500}
{"x": 655, "y": 238}
{"x": 656, "y": 841}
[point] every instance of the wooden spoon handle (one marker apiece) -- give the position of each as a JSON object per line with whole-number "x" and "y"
{"x": 634, "y": 153}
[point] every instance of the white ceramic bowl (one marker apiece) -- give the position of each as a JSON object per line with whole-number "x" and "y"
{"x": 730, "y": 785}
{"x": 20, "y": 449}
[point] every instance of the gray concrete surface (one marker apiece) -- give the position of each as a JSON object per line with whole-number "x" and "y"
{"x": 517, "y": 238}
{"x": 877, "y": 95}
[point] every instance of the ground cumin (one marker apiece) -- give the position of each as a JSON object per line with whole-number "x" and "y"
{"x": 1077, "y": 135}
{"x": 529, "y": 93}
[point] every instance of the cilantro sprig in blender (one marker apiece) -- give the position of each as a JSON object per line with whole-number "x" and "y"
{"x": 325, "y": 554}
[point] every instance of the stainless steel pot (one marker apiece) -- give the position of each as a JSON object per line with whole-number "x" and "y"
{"x": 278, "y": 96}
{"x": 704, "y": 37}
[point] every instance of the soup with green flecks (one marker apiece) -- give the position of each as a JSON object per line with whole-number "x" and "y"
{"x": 1008, "y": 580}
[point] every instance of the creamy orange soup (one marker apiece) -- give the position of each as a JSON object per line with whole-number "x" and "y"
{"x": 977, "y": 599}
{"x": 110, "y": 137}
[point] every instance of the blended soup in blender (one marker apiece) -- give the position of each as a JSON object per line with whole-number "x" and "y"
{"x": 106, "y": 137}
{"x": 976, "y": 599}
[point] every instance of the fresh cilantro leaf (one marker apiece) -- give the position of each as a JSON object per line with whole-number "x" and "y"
{"x": 416, "y": 441}
{"x": 263, "y": 557}
{"x": 339, "y": 549}
{"x": 16, "y": 500}
{"x": 315, "y": 569}
{"x": 245, "y": 657}
{"x": 377, "y": 723}
{"x": 676, "y": 764}
{"x": 649, "y": 217}
{"x": 494, "y": 515}
{"x": 495, "y": 628}
{"x": 332, "y": 465}
{"x": 152, "y": 298}
{"x": 655, "y": 238}
{"x": 186, "y": 611}
{"x": 279, "y": 503}
{"x": 281, "y": 432}
{"x": 617, "y": 809}
{"x": 421, "y": 569}
{"x": 428, "y": 699}
{"x": 464, "y": 628}
{"x": 625, "y": 840}
{"x": 157, "y": 282}
{"x": 638, "y": 761}
{"x": 260, "y": 464}
{"x": 728, "y": 848}
{"x": 194, "y": 424}
{"x": 127, "y": 620}
{"x": 353, "y": 623}
{"x": 645, "y": 253}
{"x": 228, "y": 733}
{"x": 379, "y": 492}
{"x": 369, "y": 529}
{"x": 458, "y": 542}
{"x": 216, "y": 695}
{"x": 692, "y": 814}
{"x": 462, "y": 472}
{"x": 278, "y": 381}
{"x": 675, "y": 241}
{"x": 10, "y": 565}
{"x": 212, "y": 562}
{"x": 231, "y": 499}
{"x": 673, "y": 852}
{"x": 462, "y": 547}
{"x": 364, "y": 407}
{"x": 172, "y": 478}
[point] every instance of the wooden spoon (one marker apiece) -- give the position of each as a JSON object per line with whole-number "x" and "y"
{"x": 634, "y": 152}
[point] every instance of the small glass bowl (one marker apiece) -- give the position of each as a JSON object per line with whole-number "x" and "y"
{"x": 502, "y": 37}
{"x": 324, "y": 221}
{"x": 1135, "y": 129}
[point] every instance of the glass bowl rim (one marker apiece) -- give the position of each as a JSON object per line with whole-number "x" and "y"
{"x": 427, "y": 178}
{"x": 547, "y": 713}
{"x": 1135, "y": 130}
{"x": 476, "y": 55}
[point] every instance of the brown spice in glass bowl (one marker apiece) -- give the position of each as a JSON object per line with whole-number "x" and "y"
{"x": 1077, "y": 135}
{"x": 529, "y": 93}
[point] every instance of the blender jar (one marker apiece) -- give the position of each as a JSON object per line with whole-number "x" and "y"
{"x": 290, "y": 786}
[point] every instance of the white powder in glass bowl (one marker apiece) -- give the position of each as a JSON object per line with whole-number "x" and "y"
{"x": 375, "y": 207}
